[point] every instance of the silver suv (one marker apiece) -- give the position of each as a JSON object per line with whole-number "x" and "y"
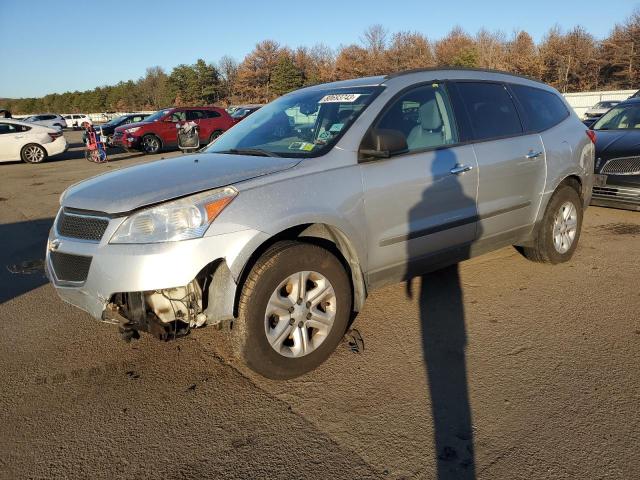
{"x": 283, "y": 225}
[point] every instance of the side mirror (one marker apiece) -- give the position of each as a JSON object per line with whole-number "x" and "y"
{"x": 382, "y": 143}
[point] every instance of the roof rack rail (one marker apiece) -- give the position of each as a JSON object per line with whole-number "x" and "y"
{"x": 467, "y": 69}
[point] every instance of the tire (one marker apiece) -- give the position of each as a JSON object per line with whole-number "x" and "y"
{"x": 254, "y": 332}
{"x": 550, "y": 245}
{"x": 151, "y": 144}
{"x": 214, "y": 135}
{"x": 33, "y": 153}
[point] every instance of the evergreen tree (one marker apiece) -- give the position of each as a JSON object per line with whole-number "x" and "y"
{"x": 286, "y": 76}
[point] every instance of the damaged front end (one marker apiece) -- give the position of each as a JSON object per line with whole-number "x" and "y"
{"x": 170, "y": 313}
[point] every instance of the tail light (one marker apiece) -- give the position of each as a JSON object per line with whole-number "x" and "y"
{"x": 592, "y": 136}
{"x": 55, "y": 135}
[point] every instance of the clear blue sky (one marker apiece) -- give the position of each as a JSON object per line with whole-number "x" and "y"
{"x": 60, "y": 45}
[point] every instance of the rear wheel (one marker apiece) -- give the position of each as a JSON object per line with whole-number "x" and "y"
{"x": 33, "y": 153}
{"x": 559, "y": 231}
{"x": 294, "y": 309}
{"x": 151, "y": 144}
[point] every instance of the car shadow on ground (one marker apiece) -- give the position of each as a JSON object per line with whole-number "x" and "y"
{"x": 22, "y": 257}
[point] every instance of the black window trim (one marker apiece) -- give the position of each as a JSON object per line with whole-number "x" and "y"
{"x": 365, "y": 159}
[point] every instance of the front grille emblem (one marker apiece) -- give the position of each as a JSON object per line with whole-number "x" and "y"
{"x": 54, "y": 245}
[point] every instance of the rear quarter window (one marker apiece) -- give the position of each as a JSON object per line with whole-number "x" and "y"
{"x": 491, "y": 111}
{"x": 542, "y": 109}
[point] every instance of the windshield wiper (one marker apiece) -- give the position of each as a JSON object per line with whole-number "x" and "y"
{"x": 250, "y": 151}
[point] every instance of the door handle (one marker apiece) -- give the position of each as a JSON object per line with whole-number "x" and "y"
{"x": 531, "y": 155}
{"x": 458, "y": 169}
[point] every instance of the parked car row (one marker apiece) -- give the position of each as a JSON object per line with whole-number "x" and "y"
{"x": 75, "y": 120}
{"x": 108, "y": 129}
{"x": 159, "y": 130}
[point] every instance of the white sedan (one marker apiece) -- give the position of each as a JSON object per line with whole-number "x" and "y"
{"x": 29, "y": 142}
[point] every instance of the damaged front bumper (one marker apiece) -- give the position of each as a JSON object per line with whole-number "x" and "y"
{"x": 90, "y": 275}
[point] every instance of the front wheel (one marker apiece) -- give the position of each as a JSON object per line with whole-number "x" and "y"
{"x": 151, "y": 144}
{"x": 294, "y": 309}
{"x": 214, "y": 135}
{"x": 556, "y": 238}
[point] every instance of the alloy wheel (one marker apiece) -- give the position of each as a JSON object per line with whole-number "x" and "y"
{"x": 34, "y": 154}
{"x": 565, "y": 227}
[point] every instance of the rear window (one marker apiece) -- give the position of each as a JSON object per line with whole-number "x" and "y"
{"x": 491, "y": 110}
{"x": 543, "y": 109}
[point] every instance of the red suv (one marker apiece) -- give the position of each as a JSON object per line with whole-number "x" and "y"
{"x": 159, "y": 130}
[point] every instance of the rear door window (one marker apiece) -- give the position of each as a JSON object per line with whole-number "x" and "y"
{"x": 490, "y": 108}
{"x": 542, "y": 109}
{"x": 211, "y": 114}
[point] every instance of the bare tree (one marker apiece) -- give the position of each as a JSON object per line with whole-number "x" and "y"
{"x": 491, "y": 48}
{"x": 228, "y": 67}
{"x": 456, "y": 49}
{"x": 408, "y": 50}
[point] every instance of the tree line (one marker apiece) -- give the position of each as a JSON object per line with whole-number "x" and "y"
{"x": 570, "y": 61}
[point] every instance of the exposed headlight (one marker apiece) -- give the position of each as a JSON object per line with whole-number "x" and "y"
{"x": 172, "y": 221}
{"x": 132, "y": 129}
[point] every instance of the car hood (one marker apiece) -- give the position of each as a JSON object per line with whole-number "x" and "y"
{"x": 131, "y": 125}
{"x": 617, "y": 143}
{"x": 130, "y": 188}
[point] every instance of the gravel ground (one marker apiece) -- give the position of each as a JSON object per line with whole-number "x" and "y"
{"x": 496, "y": 369}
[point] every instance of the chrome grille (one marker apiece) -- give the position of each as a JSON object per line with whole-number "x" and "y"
{"x": 84, "y": 227}
{"x": 622, "y": 166}
{"x": 70, "y": 268}
{"x": 619, "y": 194}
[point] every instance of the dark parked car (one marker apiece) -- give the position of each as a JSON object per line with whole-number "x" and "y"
{"x": 109, "y": 128}
{"x": 243, "y": 112}
{"x": 617, "y": 165}
{"x": 160, "y": 131}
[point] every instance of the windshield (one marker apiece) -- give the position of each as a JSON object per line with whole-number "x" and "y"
{"x": 115, "y": 121}
{"x": 620, "y": 118}
{"x": 154, "y": 117}
{"x": 605, "y": 104}
{"x": 301, "y": 124}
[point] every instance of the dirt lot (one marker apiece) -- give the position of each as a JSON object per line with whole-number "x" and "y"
{"x": 498, "y": 369}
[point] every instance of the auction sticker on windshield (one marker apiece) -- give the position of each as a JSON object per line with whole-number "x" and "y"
{"x": 340, "y": 98}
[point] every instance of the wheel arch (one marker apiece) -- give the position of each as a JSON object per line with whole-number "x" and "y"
{"x": 155, "y": 135}
{"x": 321, "y": 234}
